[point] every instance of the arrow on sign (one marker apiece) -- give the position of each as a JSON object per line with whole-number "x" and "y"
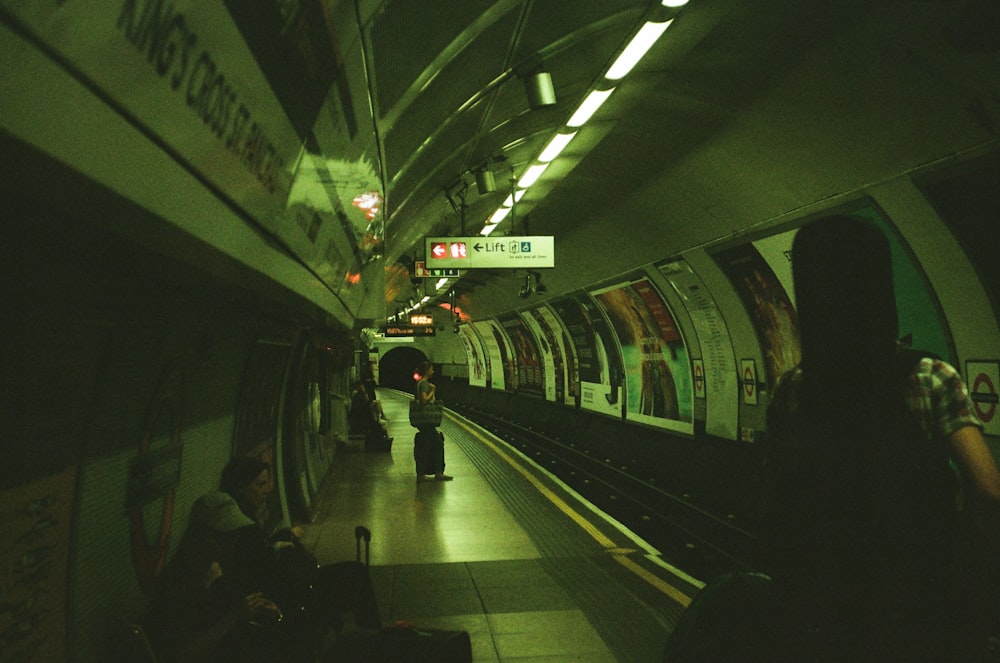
{"x": 439, "y": 250}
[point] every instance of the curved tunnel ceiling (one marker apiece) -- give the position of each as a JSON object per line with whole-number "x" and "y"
{"x": 698, "y": 143}
{"x": 730, "y": 121}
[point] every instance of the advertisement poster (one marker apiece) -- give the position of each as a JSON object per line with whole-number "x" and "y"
{"x": 501, "y": 373}
{"x": 477, "y": 358}
{"x": 770, "y": 309}
{"x": 597, "y": 351}
{"x": 658, "y": 385}
{"x": 920, "y": 321}
{"x": 718, "y": 361}
{"x": 776, "y": 251}
{"x": 257, "y": 422}
{"x": 528, "y": 357}
{"x": 550, "y": 344}
{"x": 34, "y": 568}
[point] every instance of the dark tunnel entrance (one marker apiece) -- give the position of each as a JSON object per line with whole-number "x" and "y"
{"x": 395, "y": 369}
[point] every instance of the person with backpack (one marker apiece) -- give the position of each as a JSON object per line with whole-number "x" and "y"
{"x": 869, "y": 448}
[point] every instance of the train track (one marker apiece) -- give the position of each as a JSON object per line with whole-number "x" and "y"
{"x": 701, "y": 543}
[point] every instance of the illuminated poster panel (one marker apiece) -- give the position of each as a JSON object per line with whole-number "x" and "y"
{"x": 571, "y": 395}
{"x": 920, "y": 318}
{"x": 776, "y": 251}
{"x": 548, "y": 331}
{"x": 761, "y": 273}
{"x": 768, "y": 305}
{"x": 527, "y": 356}
{"x": 658, "y": 386}
{"x": 597, "y": 351}
{"x": 720, "y": 373}
{"x": 476, "y": 356}
{"x": 497, "y": 348}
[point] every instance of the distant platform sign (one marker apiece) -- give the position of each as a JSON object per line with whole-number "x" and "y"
{"x": 421, "y": 271}
{"x": 404, "y": 331}
{"x": 483, "y": 252}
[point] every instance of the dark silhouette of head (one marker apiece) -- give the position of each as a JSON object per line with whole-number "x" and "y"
{"x": 842, "y": 268}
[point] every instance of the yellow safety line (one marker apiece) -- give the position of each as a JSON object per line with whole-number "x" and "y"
{"x": 580, "y": 520}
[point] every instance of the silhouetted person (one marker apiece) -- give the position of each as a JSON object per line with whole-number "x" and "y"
{"x": 281, "y": 566}
{"x": 861, "y": 520}
{"x": 428, "y": 444}
{"x": 198, "y": 613}
{"x": 363, "y": 419}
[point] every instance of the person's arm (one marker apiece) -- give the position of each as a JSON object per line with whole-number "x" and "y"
{"x": 427, "y": 390}
{"x": 203, "y": 646}
{"x": 974, "y": 458}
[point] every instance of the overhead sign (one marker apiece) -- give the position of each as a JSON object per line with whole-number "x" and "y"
{"x": 483, "y": 252}
{"x": 404, "y": 331}
{"x": 421, "y": 319}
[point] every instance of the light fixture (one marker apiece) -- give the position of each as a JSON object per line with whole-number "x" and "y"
{"x": 674, "y": 3}
{"x": 589, "y": 106}
{"x": 531, "y": 176}
{"x": 499, "y": 215}
{"x": 641, "y": 42}
{"x": 485, "y": 182}
{"x": 538, "y": 86}
{"x": 555, "y": 147}
{"x": 487, "y": 229}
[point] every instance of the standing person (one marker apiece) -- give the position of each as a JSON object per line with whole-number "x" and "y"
{"x": 281, "y": 565}
{"x": 428, "y": 444}
{"x": 861, "y": 524}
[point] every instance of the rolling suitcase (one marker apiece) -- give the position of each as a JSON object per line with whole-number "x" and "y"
{"x": 402, "y": 642}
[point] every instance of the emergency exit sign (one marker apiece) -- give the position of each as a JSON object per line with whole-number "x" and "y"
{"x": 479, "y": 251}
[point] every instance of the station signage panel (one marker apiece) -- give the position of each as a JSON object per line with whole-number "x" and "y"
{"x": 483, "y": 252}
{"x": 421, "y": 319}
{"x": 408, "y": 331}
{"x": 421, "y": 271}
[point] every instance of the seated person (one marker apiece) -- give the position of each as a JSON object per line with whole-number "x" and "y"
{"x": 281, "y": 565}
{"x": 197, "y": 614}
{"x": 364, "y": 416}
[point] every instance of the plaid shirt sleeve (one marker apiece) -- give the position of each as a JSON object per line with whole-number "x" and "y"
{"x": 940, "y": 399}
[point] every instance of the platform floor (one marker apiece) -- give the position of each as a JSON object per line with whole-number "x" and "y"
{"x": 505, "y": 551}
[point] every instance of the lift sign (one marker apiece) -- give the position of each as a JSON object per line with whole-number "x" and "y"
{"x": 473, "y": 252}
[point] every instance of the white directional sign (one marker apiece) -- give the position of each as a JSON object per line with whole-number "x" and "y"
{"x": 479, "y": 251}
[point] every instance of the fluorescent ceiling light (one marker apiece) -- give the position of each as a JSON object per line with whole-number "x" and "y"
{"x": 514, "y": 198}
{"x": 485, "y": 232}
{"x": 641, "y": 42}
{"x": 425, "y": 299}
{"x": 440, "y": 284}
{"x": 674, "y": 3}
{"x": 555, "y": 147}
{"x": 499, "y": 215}
{"x": 589, "y": 107}
{"x": 531, "y": 175}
